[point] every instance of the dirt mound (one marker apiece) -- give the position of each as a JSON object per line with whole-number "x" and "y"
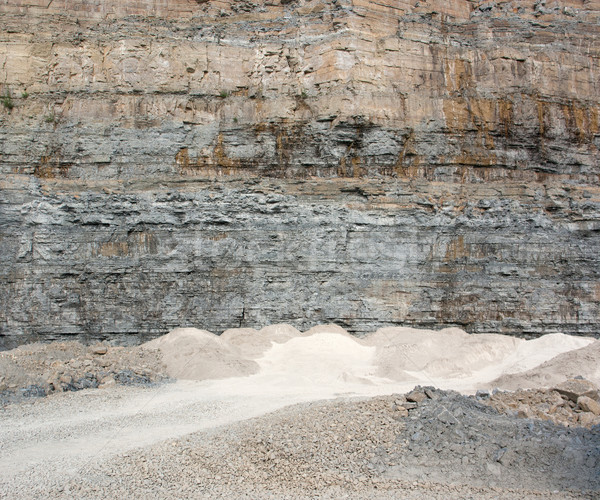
{"x": 541, "y": 404}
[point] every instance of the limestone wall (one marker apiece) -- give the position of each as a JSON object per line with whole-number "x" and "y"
{"x": 220, "y": 164}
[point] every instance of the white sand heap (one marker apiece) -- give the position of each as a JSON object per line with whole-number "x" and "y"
{"x": 328, "y": 357}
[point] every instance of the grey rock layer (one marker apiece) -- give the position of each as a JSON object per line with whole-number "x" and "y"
{"x": 230, "y": 254}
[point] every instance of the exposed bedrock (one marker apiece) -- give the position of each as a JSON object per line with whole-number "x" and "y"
{"x": 219, "y": 164}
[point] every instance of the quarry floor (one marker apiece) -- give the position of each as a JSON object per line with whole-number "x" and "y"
{"x": 302, "y": 423}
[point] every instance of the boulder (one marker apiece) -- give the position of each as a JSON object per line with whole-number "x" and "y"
{"x": 416, "y": 396}
{"x": 588, "y": 404}
{"x": 574, "y": 388}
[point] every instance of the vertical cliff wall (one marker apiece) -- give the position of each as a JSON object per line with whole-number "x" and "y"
{"x": 238, "y": 163}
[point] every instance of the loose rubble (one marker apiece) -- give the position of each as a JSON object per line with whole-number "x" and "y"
{"x": 39, "y": 369}
{"x": 549, "y": 405}
{"x": 444, "y": 446}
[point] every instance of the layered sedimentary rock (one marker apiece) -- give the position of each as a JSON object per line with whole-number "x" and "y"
{"x": 218, "y": 164}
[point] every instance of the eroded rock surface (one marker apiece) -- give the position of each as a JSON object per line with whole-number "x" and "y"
{"x": 225, "y": 164}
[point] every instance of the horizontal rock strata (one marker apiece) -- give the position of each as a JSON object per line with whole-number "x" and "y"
{"x": 223, "y": 164}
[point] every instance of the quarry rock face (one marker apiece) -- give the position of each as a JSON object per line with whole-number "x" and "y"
{"x": 224, "y": 164}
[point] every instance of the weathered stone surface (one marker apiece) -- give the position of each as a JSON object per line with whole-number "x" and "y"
{"x": 416, "y": 396}
{"x": 574, "y": 388}
{"x": 221, "y": 164}
{"x": 588, "y": 404}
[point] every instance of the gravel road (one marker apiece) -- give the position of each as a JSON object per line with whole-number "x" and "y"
{"x": 51, "y": 440}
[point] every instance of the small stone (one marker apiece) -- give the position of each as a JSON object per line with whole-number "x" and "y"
{"x": 416, "y": 396}
{"x": 99, "y": 350}
{"x": 107, "y": 382}
{"x": 494, "y": 469}
{"x": 499, "y": 454}
{"x": 56, "y": 385}
{"x": 430, "y": 393}
{"x": 104, "y": 362}
{"x": 446, "y": 417}
{"x": 524, "y": 412}
{"x": 507, "y": 457}
{"x": 401, "y": 411}
{"x": 586, "y": 419}
{"x": 483, "y": 394}
{"x": 589, "y": 405}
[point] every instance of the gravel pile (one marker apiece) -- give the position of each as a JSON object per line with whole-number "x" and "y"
{"x": 39, "y": 369}
{"x": 427, "y": 444}
{"x": 548, "y": 405}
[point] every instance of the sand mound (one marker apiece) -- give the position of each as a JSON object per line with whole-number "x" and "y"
{"x": 321, "y": 358}
{"x": 420, "y": 355}
{"x": 327, "y": 354}
{"x": 192, "y": 354}
{"x": 325, "y": 357}
{"x": 584, "y": 362}
{"x": 254, "y": 343}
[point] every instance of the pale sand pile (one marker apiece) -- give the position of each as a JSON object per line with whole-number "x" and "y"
{"x": 584, "y": 362}
{"x": 392, "y": 358}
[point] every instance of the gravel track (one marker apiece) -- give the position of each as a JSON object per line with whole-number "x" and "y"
{"x": 119, "y": 444}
